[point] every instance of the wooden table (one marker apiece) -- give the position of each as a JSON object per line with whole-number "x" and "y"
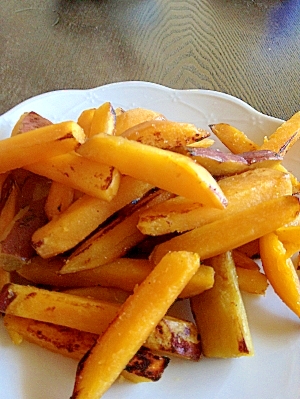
{"x": 250, "y": 49}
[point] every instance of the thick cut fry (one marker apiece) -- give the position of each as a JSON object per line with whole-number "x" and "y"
{"x": 284, "y": 137}
{"x": 73, "y": 311}
{"x": 165, "y": 134}
{"x": 235, "y": 140}
{"x": 39, "y": 144}
{"x": 92, "y": 178}
{"x": 124, "y": 273}
{"x": 113, "y": 240}
{"x": 240, "y": 228}
{"x": 83, "y": 217}
{"x": 252, "y": 281}
{"x": 165, "y": 169}
{"x": 132, "y": 117}
{"x": 104, "y": 120}
{"x": 137, "y": 317}
{"x": 242, "y": 191}
{"x": 220, "y": 314}
{"x": 172, "y": 335}
{"x": 144, "y": 366}
{"x": 280, "y": 271}
{"x": 59, "y": 199}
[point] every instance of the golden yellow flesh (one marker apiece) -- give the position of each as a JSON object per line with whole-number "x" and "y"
{"x": 165, "y": 169}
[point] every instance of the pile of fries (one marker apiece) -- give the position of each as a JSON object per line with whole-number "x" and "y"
{"x": 107, "y": 221}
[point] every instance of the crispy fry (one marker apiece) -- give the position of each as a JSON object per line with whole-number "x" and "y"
{"x": 234, "y": 139}
{"x": 113, "y": 240}
{"x": 60, "y": 197}
{"x": 172, "y": 335}
{"x": 179, "y": 214}
{"x": 83, "y": 217}
{"x": 180, "y": 174}
{"x": 144, "y": 366}
{"x": 92, "y": 178}
{"x": 284, "y": 137}
{"x": 39, "y": 144}
{"x": 165, "y": 134}
{"x": 124, "y": 274}
{"x": 220, "y": 314}
{"x": 240, "y": 228}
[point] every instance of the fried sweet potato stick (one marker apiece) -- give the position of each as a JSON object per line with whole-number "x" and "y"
{"x": 162, "y": 168}
{"x": 125, "y": 335}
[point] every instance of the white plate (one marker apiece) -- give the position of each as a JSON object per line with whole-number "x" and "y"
{"x": 28, "y": 372}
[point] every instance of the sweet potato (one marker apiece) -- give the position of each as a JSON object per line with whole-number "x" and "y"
{"x": 165, "y": 134}
{"x": 83, "y": 217}
{"x": 114, "y": 239}
{"x": 144, "y": 366}
{"x": 220, "y": 314}
{"x": 242, "y": 191}
{"x": 240, "y": 227}
{"x": 180, "y": 174}
{"x": 98, "y": 370}
{"x": 39, "y": 144}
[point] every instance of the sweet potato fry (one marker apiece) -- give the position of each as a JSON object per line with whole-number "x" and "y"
{"x": 179, "y": 214}
{"x": 92, "y": 178}
{"x": 284, "y": 137}
{"x": 280, "y": 271}
{"x": 114, "y": 239}
{"x": 180, "y": 174}
{"x": 234, "y": 139}
{"x": 101, "y": 367}
{"x": 124, "y": 274}
{"x": 220, "y": 314}
{"x": 244, "y": 261}
{"x": 60, "y": 197}
{"x": 104, "y": 120}
{"x": 83, "y": 217}
{"x": 29, "y": 121}
{"x": 172, "y": 335}
{"x": 241, "y": 227}
{"x": 252, "y": 281}
{"x": 165, "y": 134}
{"x": 85, "y": 120}
{"x": 144, "y": 366}
{"x": 39, "y": 144}
{"x": 132, "y": 117}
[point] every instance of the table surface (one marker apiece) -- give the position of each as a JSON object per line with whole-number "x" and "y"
{"x": 249, "y": 49}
